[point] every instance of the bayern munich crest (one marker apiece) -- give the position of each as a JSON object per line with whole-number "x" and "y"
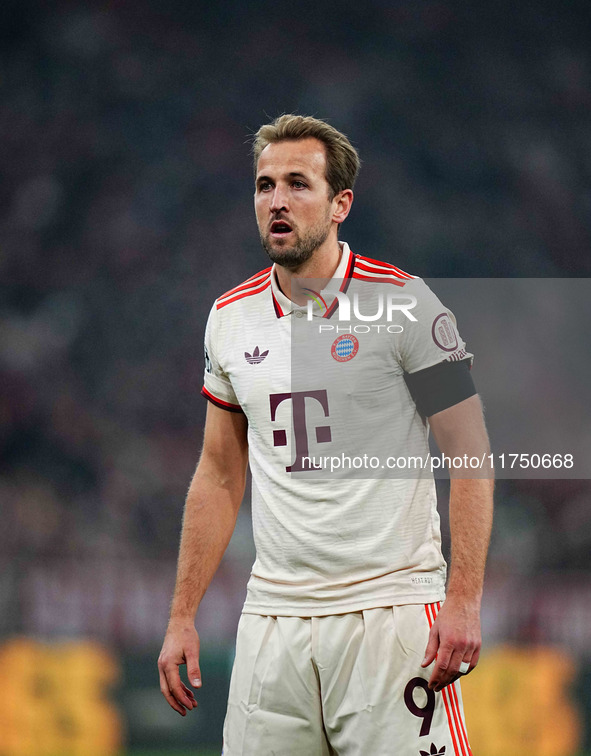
{"x": 345, "y": 347}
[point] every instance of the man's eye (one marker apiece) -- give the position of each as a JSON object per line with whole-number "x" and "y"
{"x": 299, "y": 185}
{"x": 264, "y": 186}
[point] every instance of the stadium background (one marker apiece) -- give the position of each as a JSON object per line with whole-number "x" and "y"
{"x": 126, "y": 207}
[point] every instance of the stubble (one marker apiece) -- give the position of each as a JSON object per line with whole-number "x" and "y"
{"x": 303, "y": 248}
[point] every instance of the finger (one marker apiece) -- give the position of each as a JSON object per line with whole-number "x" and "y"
{"x": 441, "y": 669}
{"x": 189, "y": 693}
{"x": 464, "y": 666}
{"x": 193, "y": 671}
{"x": 432, "y": 646}
{"x": 452, "y": 673}
{"x": 173, "y": 703}
{"x": 468, "y": 663}
{"x": 171, "y": 672}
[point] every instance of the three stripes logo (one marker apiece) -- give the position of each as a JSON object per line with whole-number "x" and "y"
{"x": 256, "y": 357}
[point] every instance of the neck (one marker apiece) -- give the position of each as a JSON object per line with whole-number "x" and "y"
{"x": 321, "y": 267}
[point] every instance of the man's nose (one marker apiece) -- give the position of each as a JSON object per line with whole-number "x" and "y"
{"x": 278, "y": 200}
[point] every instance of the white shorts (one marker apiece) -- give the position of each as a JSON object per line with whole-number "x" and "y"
{"x": 345, "y": 685}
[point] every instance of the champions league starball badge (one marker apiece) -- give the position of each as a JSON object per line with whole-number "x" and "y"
{"x": 444, "y": 333}
{"x": 344, "y": 348}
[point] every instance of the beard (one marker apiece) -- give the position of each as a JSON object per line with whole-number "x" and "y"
{"x": 303, "y": 247}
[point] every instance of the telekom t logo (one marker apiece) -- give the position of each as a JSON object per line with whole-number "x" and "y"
{"x": 298, "y": 413}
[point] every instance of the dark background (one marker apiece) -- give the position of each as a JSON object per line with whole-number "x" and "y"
{"x": 126, "y": 208}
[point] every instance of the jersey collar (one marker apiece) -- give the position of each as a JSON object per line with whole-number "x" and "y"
{"x": 322, "y": 308}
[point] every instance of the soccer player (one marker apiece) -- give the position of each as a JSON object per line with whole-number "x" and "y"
{"x": 348, "y": 643}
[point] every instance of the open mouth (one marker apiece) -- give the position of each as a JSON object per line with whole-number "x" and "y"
{"x": 280, "y": 228}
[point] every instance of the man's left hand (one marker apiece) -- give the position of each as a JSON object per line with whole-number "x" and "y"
{"x": 454, "y": 638}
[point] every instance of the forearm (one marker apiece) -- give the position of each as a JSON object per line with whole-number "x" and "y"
{"x": 470, "y": 513}
{"x": 209, "y": 518}
{"x": 460, "y": 433}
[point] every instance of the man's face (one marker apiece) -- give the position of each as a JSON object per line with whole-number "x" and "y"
{"x": 292, "y": 205}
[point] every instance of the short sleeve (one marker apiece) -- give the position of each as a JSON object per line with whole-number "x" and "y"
{"x": 216, "y": 383}
{"x": 433, "y": 336}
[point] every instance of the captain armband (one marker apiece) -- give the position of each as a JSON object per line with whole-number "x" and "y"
{"x": 440, "y": 386}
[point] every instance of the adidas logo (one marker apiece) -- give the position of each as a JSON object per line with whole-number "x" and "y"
{"x": 256, "y": 356}
{"x": 433, "y": 751}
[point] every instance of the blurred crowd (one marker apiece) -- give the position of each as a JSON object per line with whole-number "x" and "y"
{"x": 126, "y": 208}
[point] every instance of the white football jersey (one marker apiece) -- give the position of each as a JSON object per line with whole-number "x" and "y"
{"x": 325, "y": 382}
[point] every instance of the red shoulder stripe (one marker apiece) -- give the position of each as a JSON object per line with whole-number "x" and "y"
{"x": 260, "y": 273}
{"x": 252, "y": 281}
{"x": 243, "y": 294}
{"x": 375, "y": 269}
{"x": 378, "y": 279}
{"x": 380, "y": 264}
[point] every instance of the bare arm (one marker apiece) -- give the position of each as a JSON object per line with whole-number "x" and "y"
{"x": 455, "y": 636}
{"x": 211, "y": 509}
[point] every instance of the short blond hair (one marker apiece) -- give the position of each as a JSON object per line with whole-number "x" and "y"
{"x": 342, "y": 160}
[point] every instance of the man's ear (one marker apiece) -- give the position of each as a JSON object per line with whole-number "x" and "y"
{"x": 342, "y": 205}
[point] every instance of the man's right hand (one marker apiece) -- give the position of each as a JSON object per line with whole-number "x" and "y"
{"x": 181, "y": 646}
{"x": 209, "y": 518}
